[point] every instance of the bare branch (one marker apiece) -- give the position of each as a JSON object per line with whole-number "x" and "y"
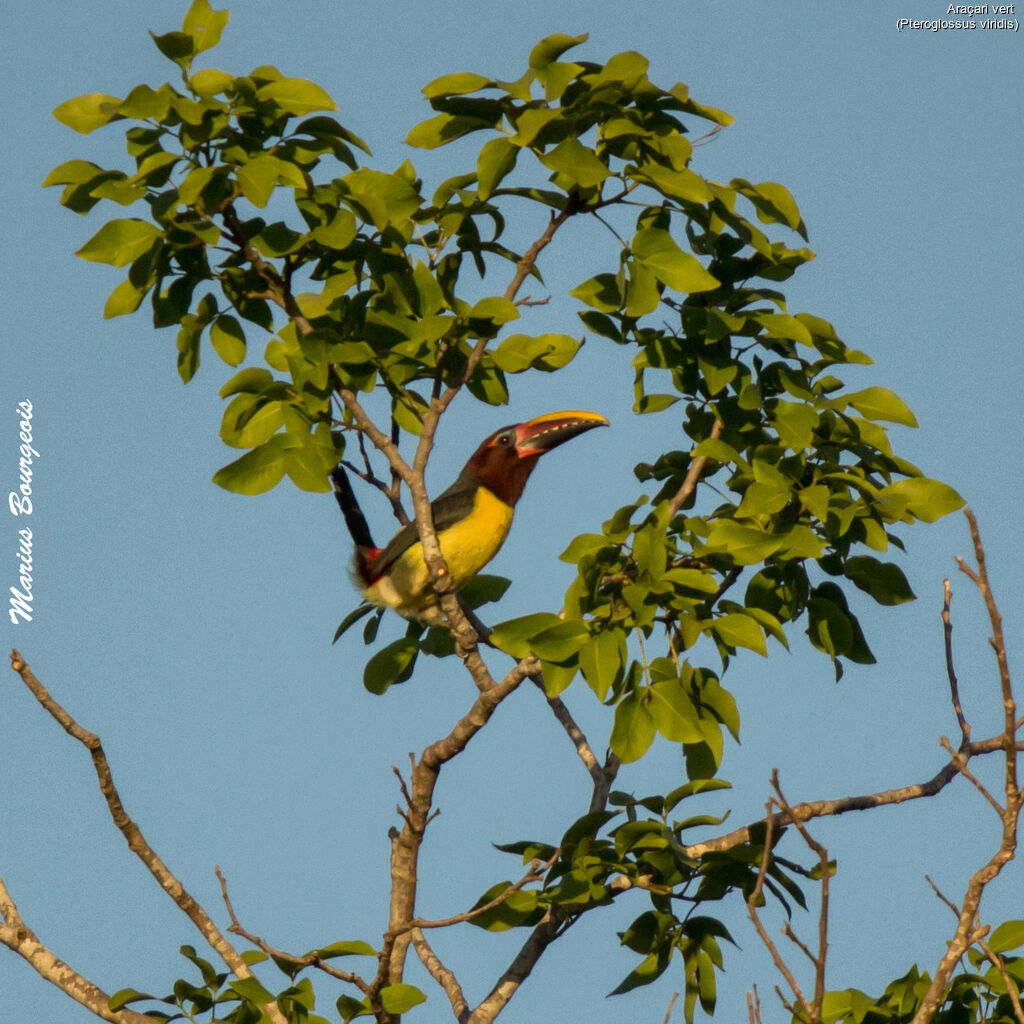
{"x": 1012, "y": 987}
{"x": 843, "y": 805}
{"x": 693, "y": 475}
{"x": 444, "y": 977}
{"x": 752, "y": 902}
{"x": 954, "y": 688}
{"x": 671, "y": 1003}
{"x": 826, "y": 874}
{"x": 967, "y": 930}
{"x": 133, "y": 835}
{"x": 961, "y": 765}
{"x": 536, "y": 873}
{"x": 307, "y": 960}
{"x": 20, "y": 939}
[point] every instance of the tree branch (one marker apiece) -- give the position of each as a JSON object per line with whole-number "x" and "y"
{"x": 444, "y": 977}
{"x": 307, "y": 960}
{"x": 133, "y": 835}
{"x": 693, "y": 475}
{"x": 20, "y": 939}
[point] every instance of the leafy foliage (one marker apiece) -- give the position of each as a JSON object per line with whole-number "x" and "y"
{"x": 261, "y": 219}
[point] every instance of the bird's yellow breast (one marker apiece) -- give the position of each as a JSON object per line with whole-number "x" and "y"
{"x": 467, "y": 546}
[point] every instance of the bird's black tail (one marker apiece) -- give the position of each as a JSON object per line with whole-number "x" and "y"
{"x": 349, "y": 505}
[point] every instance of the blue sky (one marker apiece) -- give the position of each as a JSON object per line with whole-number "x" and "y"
{"x": 192, "y": 627}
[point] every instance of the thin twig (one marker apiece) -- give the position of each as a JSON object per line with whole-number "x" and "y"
{"x": 954, "y": 687}
{"x": 671, "y": 1004}
{"x": 693, "y": 474}
{"x": 755, "y": 898}
{"x": 306, "y": 960}
{"x": 961, "y": 767}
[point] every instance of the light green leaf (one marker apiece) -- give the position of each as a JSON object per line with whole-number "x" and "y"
{"x": 399, "y": 998}
{"x": 512, "y": 636}
{"x": 561, "y": 641}
{"x": 547, "y": 352}
{"x": 602, "y": 659}
{"x": 457, "y": 84}
{"x": 252, "y": 990}
{"x": 673, "y": 712}
{"x": 745, "y": 544}
{"x": 882, "y": 404}
{"x": 352, "y": 948}
{"x": 551, "y": 48}
{"x": 204, "y": 24}
{"x": 297, "y": 96}
{"x": 89, "y": 112}
{"x": 927, "y": 499}
{"x": 739, "y": 630}
{"x": 210, "y": 81}
{"x": 119, "y": 242}
{"x": 576, "y": 162}
{"x": 497, "y": 158}
{"x": 657, "y": 250}
{"x": 125, "y": 298}
{"x": 634, "y": 728}
{"x": 1008, "y": 935}
{"x": 228, "y": 339}
{"x": 256, "y": 471}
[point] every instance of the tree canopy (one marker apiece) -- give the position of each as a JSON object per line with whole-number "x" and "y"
{"x": 353, "y": 306}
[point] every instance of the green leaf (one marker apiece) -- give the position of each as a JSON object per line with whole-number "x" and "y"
{"x": 296, "y": 96}
{"x": 443, "y": 128}
{"x": 551, "y": 48}
{"x": 256, "y": 471}
{"x": 125, "y": 298}
{"x": 1008, "y": 935}
{"x": 560, "y": 641}
{"x": 882, "y": 404}
{"x": 546, "y": 352}
{"x": 119, "y": 242}
{"x": 352, "y": 948}
{"x": 352, "y": 618}
{"x": 228, "y": 339}
{"x": 602, "y": 661}
{"x": 634, "y": 728}
{"x": 252, "y": 990}
{"x": 399, "y": 998}
{"x": 391, "y": 665}
{"x": 204, "y": 25}
{"x": 746, "y": 544}
{"x": 739, "y": 630}
{"x": 89, "y": 112}
{"x": 884, "y": 581}
{"x": 657, "y": 250}
{"x": 210, "y": 81}
{"x": 176, "y": 46}
{"x": 122, "y": 997}
{"x": 926, "y": 499}
{"x": 673, "y": 712}
{"x": 602, "y": 292}
{"x": 576, "y": 162}
{"x": 456, "y": 84}
{"x": 350, "y": 1008}
{"x": 495, "y": 308}
{"x": 497, "y": 158}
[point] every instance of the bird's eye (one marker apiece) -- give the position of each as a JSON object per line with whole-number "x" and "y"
{"x": 505, "y": 439}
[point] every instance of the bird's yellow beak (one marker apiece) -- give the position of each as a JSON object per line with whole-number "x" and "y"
{"x": 541, "y": 434}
